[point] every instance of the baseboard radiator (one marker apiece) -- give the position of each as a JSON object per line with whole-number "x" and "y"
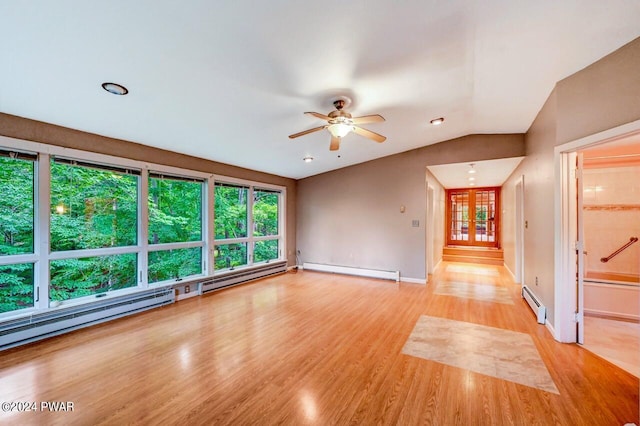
{"x": 240, "y": 276}
{"x": 348, "y": 270}
{"x": 42, "y": 325}
{"x": 538, "y": 308}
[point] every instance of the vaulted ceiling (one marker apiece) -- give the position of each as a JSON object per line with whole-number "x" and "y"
{"x": 230, "y": 80}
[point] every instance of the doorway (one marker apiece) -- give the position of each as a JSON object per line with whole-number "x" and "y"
{"x": 569, "y": 289}
{"x": 473, "y": 217}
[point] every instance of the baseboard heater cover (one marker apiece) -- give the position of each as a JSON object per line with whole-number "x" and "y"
{"x": 348, "y": 270}
{"x": 42, "y": 325}
{"x": 538, "y": 308}
{"x": 243, "y": 275}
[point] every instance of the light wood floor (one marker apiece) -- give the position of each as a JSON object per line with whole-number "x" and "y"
{"x": 308, "y": 348}
{"x": 614, "y": 340}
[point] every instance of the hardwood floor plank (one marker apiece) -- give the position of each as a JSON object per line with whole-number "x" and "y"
{"x": 308, "y": 348}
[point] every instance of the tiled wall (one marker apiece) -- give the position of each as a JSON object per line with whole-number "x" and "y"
{"x": 611, "y": 217}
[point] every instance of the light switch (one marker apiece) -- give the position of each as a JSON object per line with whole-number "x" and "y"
{"x": 415, "y": 223}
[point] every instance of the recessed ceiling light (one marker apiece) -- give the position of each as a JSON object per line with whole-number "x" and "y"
{"x": 115, "y": 88}
{"x": 472, "y": 184}
{"x": 308, "y": 159}
{"x": 437, "y": 121}
{"x": 471, "y": 178}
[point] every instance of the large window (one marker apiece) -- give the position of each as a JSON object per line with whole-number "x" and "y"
{"x": 239, "y": 209}
{"x": 17, "y": 212}
{"x": 92, "y": 207}
{"x": 76, "y": 225}
{"x": 175, "y": 227}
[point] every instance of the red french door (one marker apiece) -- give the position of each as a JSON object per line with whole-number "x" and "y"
{"x": 473, "y": 217}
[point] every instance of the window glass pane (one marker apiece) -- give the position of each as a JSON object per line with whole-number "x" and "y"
{"x": 172, "y": 264}
{"x": 175, "y": 210}
{"x": 16, "y": 206}
{"x": 71, "y": 278}
{"x": 16, "y": 287}
{"x": 230, "y": 212}
{"x": 265, "y": 213}
{"x": 92, "y": 208}
{"x": 230, "y": 255}
{"x": 265, "y": 250}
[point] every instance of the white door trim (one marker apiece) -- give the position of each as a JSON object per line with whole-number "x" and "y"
{"x": 519, "y": 225}
{"x": 565, "y": 228}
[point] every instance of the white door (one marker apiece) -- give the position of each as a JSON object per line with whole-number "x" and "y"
{"x": 580, "y": 250}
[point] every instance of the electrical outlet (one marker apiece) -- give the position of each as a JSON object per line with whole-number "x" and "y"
{"x": 187, "y": 289}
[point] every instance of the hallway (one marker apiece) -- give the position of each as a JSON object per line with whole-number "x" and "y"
{"x": 315, "y": 348}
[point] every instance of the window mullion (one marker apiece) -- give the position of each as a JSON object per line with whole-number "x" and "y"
{"x": 250, "y": 239}
{"x": 143, "y": 229}
{"x": 42, "y": 203}
{"x": 208, "y": 220}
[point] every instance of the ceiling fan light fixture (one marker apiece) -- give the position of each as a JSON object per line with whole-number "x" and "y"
{"x": 471, "y": 170}
{"x": 115, "y": 88}
{"x": 340, "y": 130}
{"x": 307, "y": 159}
{"x": 437, "y": 121}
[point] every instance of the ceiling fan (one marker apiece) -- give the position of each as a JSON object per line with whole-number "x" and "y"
{"x": 340, "y": 123}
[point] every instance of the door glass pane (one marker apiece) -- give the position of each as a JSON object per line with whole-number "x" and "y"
{"x": 459, "y": 205}
{"x": 485, "y": 215}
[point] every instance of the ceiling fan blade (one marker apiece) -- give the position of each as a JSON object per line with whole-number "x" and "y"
{"x": 335, "y": 143}
{"x": 375, "y": 118}
{"x": 306, "y": 132}
{"x": 320, "y": 116}
{"x": 369, "y": 134}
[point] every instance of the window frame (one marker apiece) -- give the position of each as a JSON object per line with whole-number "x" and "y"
{"x": 250, "y": 239}
{"x": 202, "y": 243}
{"x": 42, "y": 255}
{"x": 33, "y": 257}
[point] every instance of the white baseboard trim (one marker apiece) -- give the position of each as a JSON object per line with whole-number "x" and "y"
{"x": 551, "y": 329}
{"x": 511, "y": 274}
{"x": 607, "y": 314}
{"x": 435, "y": 267}
{"x": 422, "y": 281}
{"x": 348, "y": 270}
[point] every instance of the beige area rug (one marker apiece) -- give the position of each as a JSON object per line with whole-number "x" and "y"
{"x": 482, "y": 292}
{"x": 495, "y": 352}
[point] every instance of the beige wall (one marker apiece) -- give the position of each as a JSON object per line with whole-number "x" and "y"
{"x": 22, "y": 128}
{"x": 351, "y": 217}
{"x": 538, "y": 171}
{"x": 604, "y": 95}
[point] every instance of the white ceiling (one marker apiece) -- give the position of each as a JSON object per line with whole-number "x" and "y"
{"x": 487, "y": 173}
{"x": 230, "y": 80}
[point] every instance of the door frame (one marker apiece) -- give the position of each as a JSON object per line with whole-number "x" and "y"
{"x": 565, "y": 226}
{"x": 519, "y": 228}
{"x": 471, "y": 230}
{"x": 430, "y": 230}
